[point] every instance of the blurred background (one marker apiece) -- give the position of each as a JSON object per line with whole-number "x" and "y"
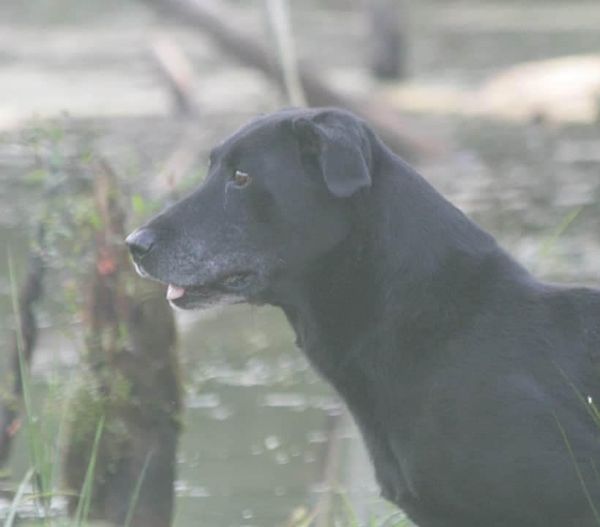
{"x": 496, "y": 102}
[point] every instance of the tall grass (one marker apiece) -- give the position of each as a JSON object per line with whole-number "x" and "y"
{"x": 14, "y": 506}
{"x": 594, "y": 414}
{"x": 38, "y": 453}
{"x": 43, "y": 451}
{"x": 136, "y": 491}
{"x": 580, "y": 477}
{"x": 550, "y": 242}
{"x": 85, "y": 499}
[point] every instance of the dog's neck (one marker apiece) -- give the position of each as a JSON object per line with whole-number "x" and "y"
{"x": 414, "y": 268}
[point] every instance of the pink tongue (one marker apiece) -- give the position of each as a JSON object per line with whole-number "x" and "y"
{"x": 174, "y": 292}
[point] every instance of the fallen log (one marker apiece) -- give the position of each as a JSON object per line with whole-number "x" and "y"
{"x": 557, "y": 90}
{"x": 219, "y": 23}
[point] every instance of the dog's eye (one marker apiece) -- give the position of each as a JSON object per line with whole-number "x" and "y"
{"x": 241, "y": 179}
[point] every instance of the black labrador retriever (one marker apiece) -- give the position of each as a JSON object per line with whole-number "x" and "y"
{"x": 472, "y": 382}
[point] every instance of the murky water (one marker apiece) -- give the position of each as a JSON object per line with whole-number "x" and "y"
{"x": 257, "y": 426}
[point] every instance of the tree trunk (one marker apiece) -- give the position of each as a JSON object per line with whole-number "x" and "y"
{"x": 131, "y": 384}
{"x": 388, "y": 41}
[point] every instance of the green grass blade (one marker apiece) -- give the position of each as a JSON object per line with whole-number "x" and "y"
{"x": 35, "y": 440}
{"x": 20, "y": 342}
{"x": 578, "y": 470}
{"x": 85, "y": 498}
{"x": 550, "y": 242}
{"x": 12, "y": 513}
{"x": 136, "y": 491}
{"x": 59, "y": 442}
{"x": 348, "y": 509}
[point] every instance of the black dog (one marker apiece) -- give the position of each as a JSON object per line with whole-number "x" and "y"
{"x": 472, "y": 382}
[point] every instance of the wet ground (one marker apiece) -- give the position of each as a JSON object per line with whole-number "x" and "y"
{"x": 263, "y": 436}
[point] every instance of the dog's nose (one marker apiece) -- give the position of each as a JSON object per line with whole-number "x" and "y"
{"x": 140, "y": 242}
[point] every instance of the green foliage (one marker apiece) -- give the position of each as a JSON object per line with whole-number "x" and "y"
{"x": 138, "y": 204}
{"x": 71, "y": 223}
{"x": 43, "y": 449}
{"x": 143, "y": 207}
{"x": 89, "y": 404}
{"x": 37, "y": 447}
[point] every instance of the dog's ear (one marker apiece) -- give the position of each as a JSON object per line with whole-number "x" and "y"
{"x": 337, "y": 144}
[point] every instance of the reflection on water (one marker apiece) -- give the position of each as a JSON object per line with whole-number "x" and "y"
{"x": 255, "y": 435}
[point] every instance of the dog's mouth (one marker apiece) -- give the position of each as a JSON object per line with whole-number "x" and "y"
{"x": 231, "y": 287}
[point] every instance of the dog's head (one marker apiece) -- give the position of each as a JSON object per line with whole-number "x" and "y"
{"x": 274, "y": 201}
